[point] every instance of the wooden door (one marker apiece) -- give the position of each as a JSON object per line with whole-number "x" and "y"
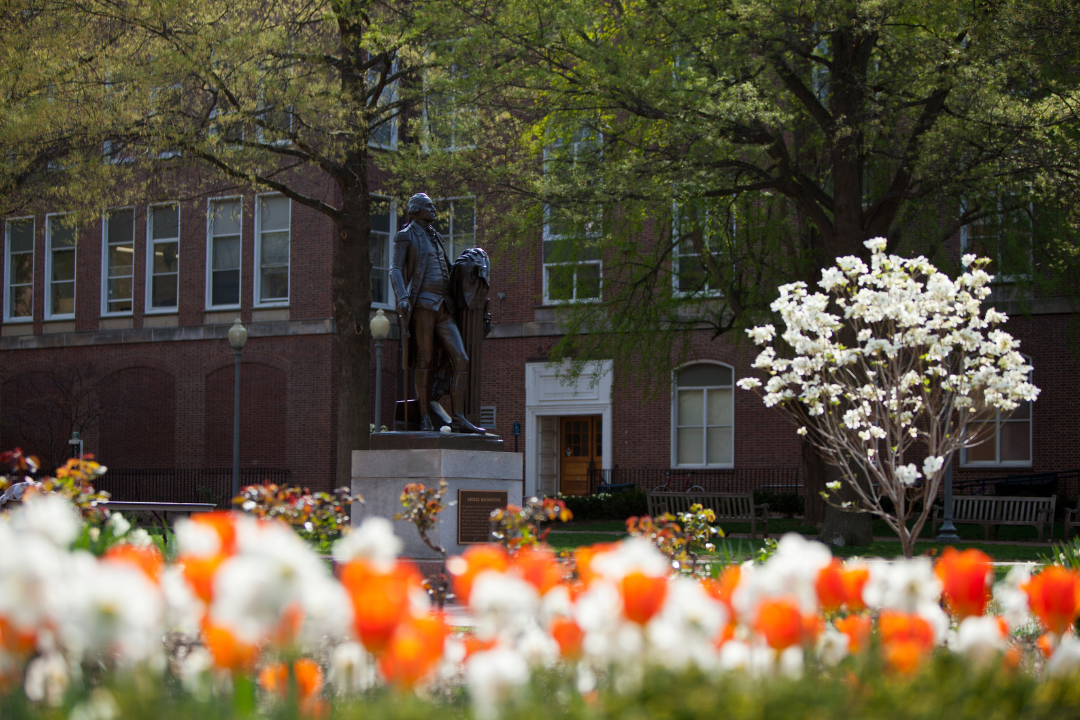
{"x": 581, "y": 448}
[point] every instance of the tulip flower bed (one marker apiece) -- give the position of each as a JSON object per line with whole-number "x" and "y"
{"x": 247, "y": 619}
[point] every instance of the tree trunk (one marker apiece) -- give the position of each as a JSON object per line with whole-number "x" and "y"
{"x": 845, "y": 529}
{"x": 814, "y": 479}
{"x": 352, "y": 305}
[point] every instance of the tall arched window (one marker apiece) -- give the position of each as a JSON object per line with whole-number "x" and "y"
{"x": 702, "y": 416}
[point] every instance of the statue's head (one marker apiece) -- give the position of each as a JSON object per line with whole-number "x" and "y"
{"x": 420, "y": 201}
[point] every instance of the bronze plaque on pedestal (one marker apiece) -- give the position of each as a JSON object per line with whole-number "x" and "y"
{"x": 474, "y": 514}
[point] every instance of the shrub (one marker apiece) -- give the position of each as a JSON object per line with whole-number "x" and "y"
{"x": 607, "y": 506}
{"x": 786, "y": 503}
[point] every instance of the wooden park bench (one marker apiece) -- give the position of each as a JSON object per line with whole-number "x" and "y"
{"x": 1072, "y": 519}
{"x": 992, "y": 511}
{"x": 163, "y": 512}
{"x": 728, "y": 507}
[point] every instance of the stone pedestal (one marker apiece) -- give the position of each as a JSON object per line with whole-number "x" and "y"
{"x": 464, "y": 462}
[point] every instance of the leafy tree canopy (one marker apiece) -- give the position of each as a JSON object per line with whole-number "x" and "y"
{"x": 709, "y": 150}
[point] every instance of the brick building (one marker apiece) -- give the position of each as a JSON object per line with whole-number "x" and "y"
{"x": 123, "y": 321}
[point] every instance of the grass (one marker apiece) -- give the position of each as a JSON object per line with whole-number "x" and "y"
{"x": 779, "y": 526}
{"x": 572, "y": 535}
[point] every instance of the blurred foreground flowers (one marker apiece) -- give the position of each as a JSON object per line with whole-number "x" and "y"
{"x": 248, "y": 608}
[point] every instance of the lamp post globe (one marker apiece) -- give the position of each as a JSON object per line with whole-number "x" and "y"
{"x": 380, "y": 329}
{"x": 238, "y": 335}
{"x": 237, "y": 339}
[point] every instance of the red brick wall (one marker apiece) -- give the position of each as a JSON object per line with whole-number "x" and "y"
{"x": 139, "y": 426}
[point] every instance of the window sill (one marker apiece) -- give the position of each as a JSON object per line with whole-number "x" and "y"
{"x": 270, "y": 314}
{"x": 729, "y": 466}
{"x": 992, "y": 465}
{"x": 221, "y": 316}
{"x": 692, "y": 295}
{"x": 161, "y": 311}
{"x": 273, "y": 305}
{"x": 21, "y": 328}
{"x": 564, "y": 303}
{"x": 55, "y": 325}
{"x": 19, "y": 321}
{"x": 116, "y": 323}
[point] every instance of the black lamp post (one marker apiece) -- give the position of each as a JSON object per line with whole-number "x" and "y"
{"x": 237, "y": 339}
{"x": 380, "y": 329}
{"x": 947, "y": 531}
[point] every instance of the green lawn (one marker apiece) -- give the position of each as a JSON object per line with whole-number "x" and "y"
{"x": 779, "y": 526}
{"x": 578, "y": 534}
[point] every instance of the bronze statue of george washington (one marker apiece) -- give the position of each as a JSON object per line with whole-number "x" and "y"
{"x": 420, "y": 274}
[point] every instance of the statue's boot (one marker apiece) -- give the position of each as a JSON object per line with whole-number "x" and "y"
{"x": 423, "y": 397}
{"x": 458, "y": 390}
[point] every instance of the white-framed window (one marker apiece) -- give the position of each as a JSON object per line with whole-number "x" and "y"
{"x": 1006, "y": 236}
{"x": 383, "y": 217}
{"x": 573, "y": 268}
{"x": 384, "y": 134}
{"x": 223, "y": 248}
{"x": 273, "y": 220}
{"x": 1008, "y": 440}
{"x": 571, "y": 273}
{"x": 60, "y": 237}
{"x": 162, "y": 258}
{"x": 695, "y": 237}
{"x": 277, "y": 121}
{"x": 227, "y": 123}
{"x": 449, "y": 119}
{"x": 457, "y": 224}
{"x": 165, "y": 104}
{"x": 702, "y": 416}
{"x": 118, "y": 268}
{"x": 19, "y": 277}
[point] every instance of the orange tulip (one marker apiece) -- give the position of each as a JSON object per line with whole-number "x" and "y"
{"x": 643, "y": 596}
{"x": 965, "y": 578}
{"x": 906, "y": 639}
{"x": 478, "y": 558}
{"x": 199, "y": 573}
{"x": 726, "y": 633}
{"x": 539, "y": 567}
{"x": 474, "y": 644}
{"x": 223, "y": 523}
{"x": 839, "y": 587}
{"x": 414, "y": 650}
{"x": 780, "y": 622}
{"x": 857, "y": 628}
{"x": 569, "y": 636}
{"x": 1052, "y": 597}
{"x": 309, "y": 677}
{"x": 1046, "y": 644}
{"x": 147, "y": 559}
{"x": 583, "y": 559}
{"x": 17, "y": 641}
{"x": 274, "y": 678}
{"x": 380, "y": 599}
{"x": 724, "y": 587}
{"x": 228, "y": 651}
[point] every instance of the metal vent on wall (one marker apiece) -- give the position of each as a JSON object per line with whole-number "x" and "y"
{"x": 487, "y": 416}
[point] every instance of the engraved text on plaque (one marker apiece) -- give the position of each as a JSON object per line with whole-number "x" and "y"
{"x": 474, "y": 514}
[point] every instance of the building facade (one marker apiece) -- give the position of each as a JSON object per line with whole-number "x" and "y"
{"x": 117, "y": 326}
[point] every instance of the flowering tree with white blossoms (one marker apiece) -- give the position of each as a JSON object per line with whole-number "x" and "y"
{"x": 926, "y": 367}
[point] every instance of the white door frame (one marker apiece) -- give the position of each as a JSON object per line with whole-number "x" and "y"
{"x": 545, "y": 395}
